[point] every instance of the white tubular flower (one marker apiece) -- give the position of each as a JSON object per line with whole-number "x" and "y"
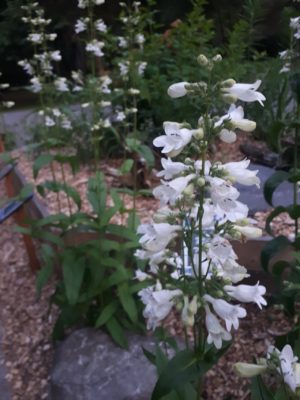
{"x": 245, "y": 92}
{"x": 140, "y": 39}
{"x": 95, "y": 47}
{"x": 233, "y": 271}
{"x": 227, "y": 136}
{"x": 234, "y": 213}
{"x": 209, "y": 214}
{"x": 55, "y": 55}
{"x": 177, "y": 90}
{"x": 216, "y": 332}
{"x": 175, "y": 139}
{"x": 8, "y": 104}
{"x": 220, "y": 249}
{"x": 246, "y": 370}
{"x": 36, "y": 38}
{"x": 36, "y": 84}
{"x": 170, "y": 168}
{"x": 158, "y": 302}
{"x": 249, "y": 232}
{"x": 101, "y": 25}
{"x": 156, "y": 237}
{"x": 99, "y": 2}
{"x": 171, "y": 191}
{"x": 124, "y": 68}
{"x": 141, "y": 276}
{"x": 238, "y": 172}
{"x": 229, "y": 313}
{"x": 80, "y": 25}
{"x": 235, "y": 116}
{"x": 141, "y": 67}
{"x": 122, "y": 42}
{"x": 49, "y": 121}
{"x": 61, "y": 84}
{"x": 287, "y": 366}
{"x": 247, "y": 293}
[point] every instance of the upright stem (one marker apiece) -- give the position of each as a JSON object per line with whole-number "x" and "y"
{"x": 65, "y": 183}
{"x": 295, "y": 186}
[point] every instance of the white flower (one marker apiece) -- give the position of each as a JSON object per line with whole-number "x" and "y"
{"x": 227, "y": 136}
{"x": 226, "y": 311}
{"x": 175, "y": 139}
{"x": 158, "y": 303}
{"x": 171, "y": 191}
{"x": 120, "y": 116}
{"x": 124, "y": 67}
{"x": 238, "y": 172}
{"x": 220, "y": 249}
{"x": 105, "y": 82}
{"x": 99, "y": 2}
{"x": 141, "y": 276}
{"x": 8, "y": 104}
{"x": 36, "y": 38}
{"x": 80, "y": 25}
{"x": 26, "y": 66}
{"x": 140, "y": 38}
{"x": 245, "y": 92}
{"x": 156, "y": 237}
{"x": 222, "y": 193}
{"x": 36, "y": 84}
{"x": 61, "y": 84}
{"x": 170, "y": 168}
{"x": 141, "y": 67}
{"x": 287, "y": 364}
{"x": 66, "y": 123}
{"x": 49, "y": 121}
{"x": 122, "y": 42}
{"x": 249, "y": 232}
{"x": 95, "y": 47}
{"x": 233, "y": 271}
{"x": 235, "y": 116}
{"x": 82, "y": 3}
{"x": 177, "y": 90}
{"x": 189, "y": 311}
{"x": 101, "y": 25}
{"x": 246, "y": 370}
{"x": 55, "y": 55}
{"x": 247, "y": 293}
{"x": 216, "y": 333}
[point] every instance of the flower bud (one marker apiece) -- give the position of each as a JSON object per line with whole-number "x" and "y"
{"x": 228, "y": 83}
{"x": 202, "y": 60}
{"x": 200, "y": 182}
{"x": 247, "y": 370}
{"x": 249, "y": 232}
{"x": 198, "y": 133}
{"x": 244, "y": 124}
{"x": 189, "y": 190}
{"x": 162, "y": 215}
{"x": 217, "y": 58}
{"x": 230, "y": 98}
{"x": 227, "y": 136}
{"x": 177, "y": 90}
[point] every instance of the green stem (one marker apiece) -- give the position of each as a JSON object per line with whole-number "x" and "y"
{"x": 295, "y": 185}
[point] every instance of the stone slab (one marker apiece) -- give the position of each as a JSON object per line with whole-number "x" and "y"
{"x": 5, "y": 393}
{"x": 254, "y": 198}
{"x": 89, "y": 366}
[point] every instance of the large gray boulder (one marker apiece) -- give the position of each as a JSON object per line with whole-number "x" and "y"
{"x": 88, "y": 365}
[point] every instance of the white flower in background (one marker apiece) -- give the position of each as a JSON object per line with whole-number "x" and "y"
{"x": 61, "y": 84}
{"x": 247, "y": 293}
{"x": 177, "y": 90}
{"x": 287, "y": 366}
{"x": 36, "y": 38}
{"x": 175, "y": 139}
{"x": 140, "y": 39}
{"x": 295, "y": 26}
{"x": 55, "y": 55}
{"x": 156, "y": 237}
{"x": 120, "y": 116}
{"x": 36, "y": 85}
{"x": 141, "y": 276}
{"x": 122, "y": 42}
{"x": 229, "y": 313}
{"x": 4, "y": 86}
{"x": 82, "y": 3}
{"x": 159, "y": 302}
{"x": 8, "y": 104}
{"x": 49, "y": 121}
{"x": 233, "y": 271}
{"x": 124, "y": 68}
{"x": 245, "y": 91}
{"x": 51, "y": 36}
{"x": 101, "y": 25}
{"x": 133, "y": 91}
{"x": 171, "y": 168}
{"x": 26, "y": 66}
{"x": 220, "y": 249}
{"x": 66, "y": 123}
{"x": 141, "y": 67}
{"x": 81, "y": 25}
{"x": 99, "y": 2}
{"x": 105, "y": 82}
{"x": 238, "y": 172}
{"x": 172, "y": 191}
{"x": 95, "y": 47}
{"x": 216, "y": 333}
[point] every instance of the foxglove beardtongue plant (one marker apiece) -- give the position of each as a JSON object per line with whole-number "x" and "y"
{"x": 201, "y": 211}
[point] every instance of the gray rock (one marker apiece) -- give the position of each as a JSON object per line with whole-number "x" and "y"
{"x": 89, "y": 366}
{"x": 254, "y": 197}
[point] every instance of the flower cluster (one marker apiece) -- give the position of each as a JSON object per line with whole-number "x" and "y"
{"x": 3, "y": 103}
{"x": 200, "y": 208}
{"x": 289, "y": 56}
{"x": 281, "y": 362}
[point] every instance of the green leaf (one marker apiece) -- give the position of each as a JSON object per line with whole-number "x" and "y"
{"x": 278, "y": 269}
{"x": 73, "y": 272}
{"x": 272, "y": 184}
{"x": 116, "y": 332}
{"x": 146, "y": 153}
{"x": 180, "y": 370}
{"x": 127, "y": 301}
{"x": 126, "y": 166}
{"x": 150, "y": 356}
{"x": 106, "y": 313}
{"x": 271, "y": 248}
{"x": 40, "y": 162}
{"x": 259, "y": 391}
{"x": 57, "y": 187}
{"x": 26, "y": 191}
